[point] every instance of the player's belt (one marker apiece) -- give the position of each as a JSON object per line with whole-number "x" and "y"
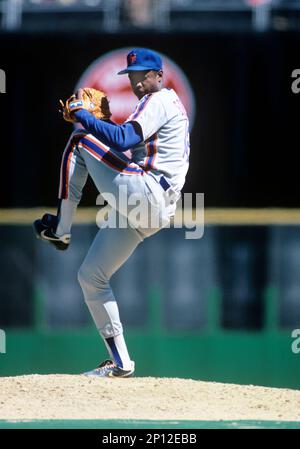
{"x": 164, "y": 183}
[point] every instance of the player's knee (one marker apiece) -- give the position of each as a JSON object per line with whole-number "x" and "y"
{"x": 90, "y": 280}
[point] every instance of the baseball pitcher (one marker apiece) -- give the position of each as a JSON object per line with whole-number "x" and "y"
{"x": 157, "y": 134}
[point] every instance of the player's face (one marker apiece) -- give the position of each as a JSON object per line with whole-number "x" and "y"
{"x": 145, "y": 82}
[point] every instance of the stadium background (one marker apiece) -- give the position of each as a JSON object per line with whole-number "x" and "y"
{"x": 225, "y": 305}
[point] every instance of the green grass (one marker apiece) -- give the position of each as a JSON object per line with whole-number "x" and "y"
{"x": 145, "y": 424}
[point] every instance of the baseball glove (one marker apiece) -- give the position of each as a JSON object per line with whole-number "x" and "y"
{"x": 94, "y": 101}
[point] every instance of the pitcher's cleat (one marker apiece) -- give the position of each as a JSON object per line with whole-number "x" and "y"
{"x": 45, "y": 230}
{"x": 110, "y": 369}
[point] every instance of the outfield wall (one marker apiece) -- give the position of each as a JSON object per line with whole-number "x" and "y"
{"x": 219, "y": 308}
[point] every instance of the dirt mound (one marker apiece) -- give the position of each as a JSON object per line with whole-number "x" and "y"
{"x": 79, "y": 397}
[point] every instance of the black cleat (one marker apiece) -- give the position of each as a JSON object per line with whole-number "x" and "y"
{"x": 44, "y": 230}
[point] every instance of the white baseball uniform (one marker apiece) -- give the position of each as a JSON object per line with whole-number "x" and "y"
{"x": 165, "y": 128}
{"x": 156, "y": 171}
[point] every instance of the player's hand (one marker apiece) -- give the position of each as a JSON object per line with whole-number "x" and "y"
{"x": 72, "y": 105}
{"x": 78, "y": 94}
{"x": 77, "y": 102}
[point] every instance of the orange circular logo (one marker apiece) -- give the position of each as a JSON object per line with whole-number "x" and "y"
{"x": 102, "y": 75}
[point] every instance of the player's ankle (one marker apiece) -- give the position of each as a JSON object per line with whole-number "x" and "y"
{"x": 65, "y": 237}
{"x": 65, "y": 217}
{"x": 128, "y": 366}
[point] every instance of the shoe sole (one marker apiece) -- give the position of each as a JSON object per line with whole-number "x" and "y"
{"x": 125, "y": 376}
{"x": 37, "y": 224}
{"x": 110, "y": 374}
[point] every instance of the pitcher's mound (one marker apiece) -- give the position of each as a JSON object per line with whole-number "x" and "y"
{"x": 79, "y": 397}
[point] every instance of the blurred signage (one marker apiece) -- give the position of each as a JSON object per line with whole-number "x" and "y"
{"x": 258, "y": 2}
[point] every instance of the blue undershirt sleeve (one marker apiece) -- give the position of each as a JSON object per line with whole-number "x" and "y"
{"x": 118, "y": 137}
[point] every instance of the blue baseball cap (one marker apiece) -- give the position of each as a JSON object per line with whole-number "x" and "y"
{"x": 142, "y": 59}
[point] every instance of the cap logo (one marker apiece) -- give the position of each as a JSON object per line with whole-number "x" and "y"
{"x": 131, "y": 58}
